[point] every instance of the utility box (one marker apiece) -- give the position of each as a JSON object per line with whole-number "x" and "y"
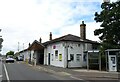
{"x": 112, "y": 63}
{"x": 112, "y": 60}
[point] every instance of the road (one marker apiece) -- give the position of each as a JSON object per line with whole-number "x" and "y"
{"x": 21, "y": 71}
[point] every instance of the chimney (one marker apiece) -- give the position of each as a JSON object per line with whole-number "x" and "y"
{"x": 29, "y": 44}
{"x": 83, "y": 31}
{"x": 50, "y": 37}
{"x": 40, "y": 40}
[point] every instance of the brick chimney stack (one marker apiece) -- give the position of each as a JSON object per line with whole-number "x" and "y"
{"x": 83, "y": 31}
{"x": 50, "y": 37}
{"x": 40, "y": 40}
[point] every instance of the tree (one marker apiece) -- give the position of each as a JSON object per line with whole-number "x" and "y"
{"x": 109, "y": 33}
{"x": 1, "y": 40}
{"x": 10, "y": 53}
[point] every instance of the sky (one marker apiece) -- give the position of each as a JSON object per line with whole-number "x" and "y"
{"x": 24, "y": 21}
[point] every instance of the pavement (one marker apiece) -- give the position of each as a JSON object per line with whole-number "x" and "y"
{"x": 78, "y": 73}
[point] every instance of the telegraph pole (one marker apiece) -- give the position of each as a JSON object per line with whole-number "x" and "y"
{"x": 23, "y": 46}
{"x": 18, "y": 46}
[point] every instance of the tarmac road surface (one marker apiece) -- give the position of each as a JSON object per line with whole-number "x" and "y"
{"x": 19, "y": 71}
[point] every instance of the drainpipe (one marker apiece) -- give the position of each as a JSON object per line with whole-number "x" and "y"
{"x": 87, "y": 61}
{"x": 35, "y": 58}
{"x": 66, "y": 55}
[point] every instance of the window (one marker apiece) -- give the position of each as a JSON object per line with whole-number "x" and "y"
{"x": 94, "y": 47}
{"x": 78, "y": 45}
{"x": 113, "y": 60}
{"x": 85, "y": 57}
{"x": 78, "y": 57}
{"x": 56, "y": 54}
{"x": 71, "y": 57}
{"x": 60, "y": 57}
{"x": 71, "y": 47}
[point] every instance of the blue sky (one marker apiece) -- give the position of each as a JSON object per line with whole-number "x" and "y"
{"x": 24, "y": 21}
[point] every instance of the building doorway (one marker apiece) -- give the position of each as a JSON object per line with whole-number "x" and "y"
{"x": 48, "y": 58}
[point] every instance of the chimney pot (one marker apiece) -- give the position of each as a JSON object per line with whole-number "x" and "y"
{"x": 82, "y": 22}
{"x": 50, "y": 36}
{"x": 29, "y": 44}
{"x": 40, "y": 40}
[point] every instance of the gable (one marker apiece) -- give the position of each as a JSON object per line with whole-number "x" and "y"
{"x": 36, "y": 46}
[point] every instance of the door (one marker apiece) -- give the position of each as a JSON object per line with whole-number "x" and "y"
{"x": 112, "y": 63}
{"x": 48, "y": 58}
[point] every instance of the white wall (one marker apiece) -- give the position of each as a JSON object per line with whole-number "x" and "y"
{"x": 88, "y": 46}
{"x": 32, "y": 53}
{"x": 26, "y": 55}
{"x": 73, "y": 48}
{"x": 45, "y": 56}
{"x": 53, "y": 60}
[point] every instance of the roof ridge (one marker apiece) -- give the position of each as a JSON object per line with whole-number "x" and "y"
{"x": 69, "y": 37}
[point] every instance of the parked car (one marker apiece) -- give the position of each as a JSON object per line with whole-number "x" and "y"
{"x": 10, "y": 60}
{"x": 19, "y": 58}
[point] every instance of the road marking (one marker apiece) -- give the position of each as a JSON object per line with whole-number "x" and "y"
{"x": 18, "y": 62}
{"x": 29, "y": 64}
{"x": 76, "y": 78}
{"x": 0, "y": 76}
{"x": 64, "y": 73}
{"x": 6, "y": 73}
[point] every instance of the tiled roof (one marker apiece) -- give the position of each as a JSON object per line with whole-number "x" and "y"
{"x": 69, "y": 37}
{"x": 36, "y": 46}
{"x": 23, "y": 50}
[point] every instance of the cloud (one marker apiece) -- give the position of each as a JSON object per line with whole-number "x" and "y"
{"x": 26, "y": 20}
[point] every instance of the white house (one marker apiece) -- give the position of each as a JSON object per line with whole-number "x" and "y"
{"x": 25, "y": 54}
{"x": 66, "y": 51}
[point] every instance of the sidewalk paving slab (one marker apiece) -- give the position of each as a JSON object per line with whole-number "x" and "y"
{"x": 82, "y": 72}
{"x": 78, "y": 73}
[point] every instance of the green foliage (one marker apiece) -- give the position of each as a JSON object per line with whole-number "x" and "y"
{"x": 109, "y": 34}
{"x": 10, "y": 53}
{"x": 1, "y": 40}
